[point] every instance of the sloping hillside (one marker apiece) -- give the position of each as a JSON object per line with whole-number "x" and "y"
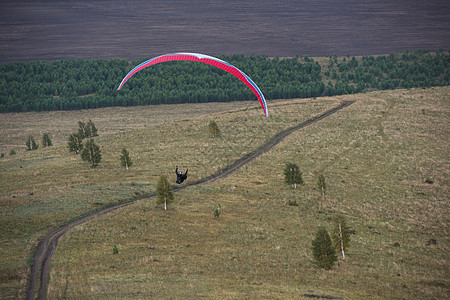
{"x": 385, "y": 160}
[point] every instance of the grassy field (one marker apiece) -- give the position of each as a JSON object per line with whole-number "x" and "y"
{"x": 44, "y": 189}
{"x": 16, "y": 127}
{"x": 376, "y": 155}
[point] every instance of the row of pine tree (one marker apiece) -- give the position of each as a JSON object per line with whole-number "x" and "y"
{"x": 83, "y": 84}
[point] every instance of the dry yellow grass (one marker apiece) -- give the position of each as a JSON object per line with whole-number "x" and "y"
{"x": 376, "y": 156}
{"x": 16, "y": 127}
{"x": 44, "y": 189}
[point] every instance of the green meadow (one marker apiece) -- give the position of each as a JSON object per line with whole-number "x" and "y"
{"x": 386, "y": 164}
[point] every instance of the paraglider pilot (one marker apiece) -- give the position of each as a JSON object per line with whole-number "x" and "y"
{"x": 180, "y": 176}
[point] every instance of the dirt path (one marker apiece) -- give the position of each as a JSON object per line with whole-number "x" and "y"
{"x": 43, "y": 256}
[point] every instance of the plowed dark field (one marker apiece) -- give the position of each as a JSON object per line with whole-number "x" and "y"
{"x": 51, "y": 30}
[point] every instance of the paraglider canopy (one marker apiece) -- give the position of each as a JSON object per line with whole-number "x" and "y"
{"x": 213, "y": 61}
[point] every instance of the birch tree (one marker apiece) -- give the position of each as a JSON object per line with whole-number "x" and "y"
{"x": 125, "y": 159}
{"x": 321, "y": 184}
{"x": 87, "y": 130}
{"x": 75, "y": 143}
{"x": 83, "y": 130}
{"x": 292, "y": 175}
{"x": 31, "y": 143}
{"x": 91, "y": 153}
{"x": 340, "y": 235}
{"x": 46, "y": 141}
{"x": 164, "y": 192}
{"x": 213, "y": 129}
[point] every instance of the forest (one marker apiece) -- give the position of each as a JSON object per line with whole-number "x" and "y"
{"x": 82, "y": 84}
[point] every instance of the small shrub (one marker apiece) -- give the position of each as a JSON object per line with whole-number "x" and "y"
{"x": 292, "y": 203}
{"x": 432, "y": 242}
{"x": 12, "y": 152}
{"x": 115, "y": 250}
{"x": 217, "y": 212}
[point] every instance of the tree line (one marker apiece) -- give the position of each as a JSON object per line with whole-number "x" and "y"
{"x": 83, "y": 84}
{"x": 396, "y": 70}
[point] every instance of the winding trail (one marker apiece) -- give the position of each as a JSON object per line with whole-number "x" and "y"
{"x": 44, "y": 253}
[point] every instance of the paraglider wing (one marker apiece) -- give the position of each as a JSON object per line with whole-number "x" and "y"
{"x": 204, "y": 59}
